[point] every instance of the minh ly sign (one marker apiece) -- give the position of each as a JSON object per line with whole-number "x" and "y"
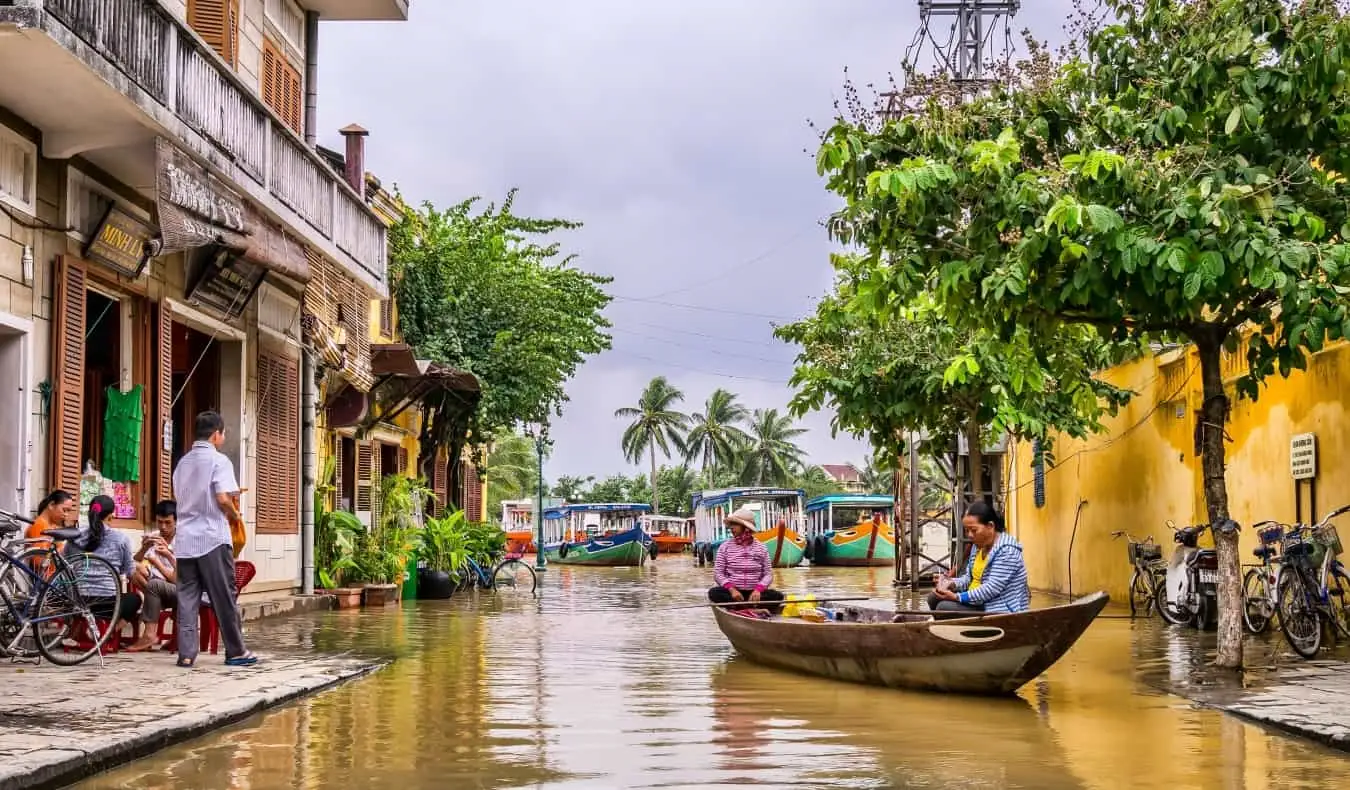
{"x": 122, "y": 242}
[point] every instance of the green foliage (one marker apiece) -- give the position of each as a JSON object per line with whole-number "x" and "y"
{"x": 1178, "y": 179}
{"x": 381, "y": 554}
{"x": 887, "y": 369}
{"x": 770, "y": 457}
{"x": 446, "y": 544}
{"x": 815, "y": 482}
{"x": 335, "y": 532}
{"x": 655, "y": 425}
{"x": 676, "y": 486}
{"x": 715, "y": 435}
{"x": 571, "y": 488}
{"x": 512, "y": 470}
{"x": 615, "y": 488}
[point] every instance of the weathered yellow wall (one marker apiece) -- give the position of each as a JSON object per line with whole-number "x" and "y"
{"x": 1143, "y": 470}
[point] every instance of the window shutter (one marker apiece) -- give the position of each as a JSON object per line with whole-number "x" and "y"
{"x": 282, "y": 86}
{"x": 387, "y": 317}
{"x": 364, "y": 471}
{"x": 217, "y": 22}
{"x": 440, "y": 483}
{"x": 164, "y": 399}
{"x": 376, "y": 484}
{"x": 472, "y": 496}
{"x": 402, "y": 461}
{"x": 278, "y": 444}
{"x": 67, "y": 419}
{"x": 335, "y": 447}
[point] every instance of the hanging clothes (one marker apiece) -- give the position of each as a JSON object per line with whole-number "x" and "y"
{"x": 122, "y": 421}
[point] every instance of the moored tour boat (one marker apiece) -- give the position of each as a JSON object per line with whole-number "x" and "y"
{"x": 603, "y": 533}
{"x": 778, "y": 522}
{"x": 670, "y": 534}
{"x": 850, "y": 529}
{"x": 982, "y": 654}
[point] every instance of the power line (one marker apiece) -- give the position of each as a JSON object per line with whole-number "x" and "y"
{"x": 722, "y": 338}
{"x": 780, "y": 382}
{"x": 705, "y": 350}
{"x": 723, "y": 310}
{"x": 733, "y": 269}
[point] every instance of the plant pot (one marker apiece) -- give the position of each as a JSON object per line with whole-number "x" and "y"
{"x": 346, "y": 597}
{"x": 434, "y": 585}
{"x": 381, "y": 595}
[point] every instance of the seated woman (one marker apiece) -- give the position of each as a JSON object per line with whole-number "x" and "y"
{"x": 995, "y": 579}
{"x": 96, "y": 586}
{"x": 56, "y": 510}
{"x": 743, "y": 570}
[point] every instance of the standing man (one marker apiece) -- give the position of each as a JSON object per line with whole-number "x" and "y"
{"x": 204, "y": 485}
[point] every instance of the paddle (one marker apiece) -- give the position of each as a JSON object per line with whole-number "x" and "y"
{"x": 814, "y": 600}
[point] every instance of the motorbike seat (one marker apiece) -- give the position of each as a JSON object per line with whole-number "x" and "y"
{"x": 1262, "y": 552}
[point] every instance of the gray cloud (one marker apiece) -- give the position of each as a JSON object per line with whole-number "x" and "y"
{"x": 675, "y": 130}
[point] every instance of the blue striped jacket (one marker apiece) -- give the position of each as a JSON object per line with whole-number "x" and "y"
{"x": 1004, "y": 586}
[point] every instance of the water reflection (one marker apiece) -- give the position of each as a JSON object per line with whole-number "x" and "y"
{"x": 600, "y": 684}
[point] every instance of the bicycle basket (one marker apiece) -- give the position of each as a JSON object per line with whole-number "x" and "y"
{"x": 1144, "y": 552}
{"x": 1328, "y": 538}
{"x": 1306, "y": 554}
{"x": 1271, "y": 535}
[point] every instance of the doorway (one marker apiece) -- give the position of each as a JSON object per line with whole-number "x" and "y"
{"x": 196, "y": 382}
{"x": 13, "y": 453}
{"x": 102, "y": 369}
{"x": 347, "y": 463}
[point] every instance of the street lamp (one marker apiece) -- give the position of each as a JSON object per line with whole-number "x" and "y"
{"x": 540, "y": 433}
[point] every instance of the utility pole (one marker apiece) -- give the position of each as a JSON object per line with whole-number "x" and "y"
{"x": 978, "y": 36}
{"x": 540, "y": 441}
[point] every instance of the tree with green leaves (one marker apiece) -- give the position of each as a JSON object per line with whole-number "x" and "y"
{"x": 715, "y": 435}
{"x": 815, "y": 482}
{"x": 676, "y": 486}
{"x": 771, "y": 456}
{"x": 1176, "y": 179}
{"x": 570, "y": 488}
{"x": 511, "y": 469}
{"x": 485, "y": 291}
{"x": 656, "y": 425}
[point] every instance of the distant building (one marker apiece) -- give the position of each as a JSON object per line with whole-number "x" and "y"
{"x": 847, "y": 476}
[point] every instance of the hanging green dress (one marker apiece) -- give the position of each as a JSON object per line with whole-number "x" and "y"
{"x": 122, "y": 422}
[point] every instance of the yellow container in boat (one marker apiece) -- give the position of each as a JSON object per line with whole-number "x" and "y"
{"x": 813, "y": 616}
{"x": 797, "y": 606}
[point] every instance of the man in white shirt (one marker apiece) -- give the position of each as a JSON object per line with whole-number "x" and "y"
{"x": 203, "y": 484}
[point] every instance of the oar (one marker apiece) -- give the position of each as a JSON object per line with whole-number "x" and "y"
{"x": 747, "y": 602}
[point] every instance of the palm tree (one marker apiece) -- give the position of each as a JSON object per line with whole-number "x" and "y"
{"x": 815, "y": 482}
{"x": 715, "y": 435}
{"x": 569, "y": 487}
{"x": 771, "y": 456}
{"x": 877, "y": 478}
{"x": 679, "y": 483}
{"x": 655, "y": 426}
{"x": 512, "y": 465}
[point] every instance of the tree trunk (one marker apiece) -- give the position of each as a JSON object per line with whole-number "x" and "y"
{"x": 1212, "y": 418}
{"x": 656, "y": 497}
{"x": 975, "y": 459}
{"x": 898, "y": 511}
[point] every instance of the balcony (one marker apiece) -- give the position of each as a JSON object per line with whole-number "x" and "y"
{"x": 358, "y": 10}
{"x": 103, "y": 78}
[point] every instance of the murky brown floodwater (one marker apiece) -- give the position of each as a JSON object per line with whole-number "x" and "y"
{"x": 594, "y": 686}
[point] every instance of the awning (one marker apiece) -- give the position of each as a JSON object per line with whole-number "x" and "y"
{"x": 401, "y": 381}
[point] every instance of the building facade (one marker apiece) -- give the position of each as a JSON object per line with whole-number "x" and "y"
{"x": 1283, "y": 454}
{"x": 164, "y": 221}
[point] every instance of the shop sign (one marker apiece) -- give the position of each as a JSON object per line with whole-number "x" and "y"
{"x": 122, "y": 242}
{"x": 196, "y": 209}
{"x": 1303, "y": 456}
{"x": 226, "y": 283}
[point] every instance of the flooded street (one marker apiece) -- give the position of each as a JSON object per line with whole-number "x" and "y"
{"x": 599, "y": 684}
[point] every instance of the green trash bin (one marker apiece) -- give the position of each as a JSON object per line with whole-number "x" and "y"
{"x": 410, "y": 578}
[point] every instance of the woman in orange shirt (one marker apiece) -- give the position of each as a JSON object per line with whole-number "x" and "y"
{"x": 56, "y": 511}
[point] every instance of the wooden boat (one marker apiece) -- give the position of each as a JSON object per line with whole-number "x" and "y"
{"x": 986, "y": 654}
{"x": 604, "y": 533}
{"x": 778, "y": 519}
{"x": 850, "y": 529}
{"x": 670, "y": 534}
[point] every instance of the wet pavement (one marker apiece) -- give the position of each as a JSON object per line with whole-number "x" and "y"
{"x": 600, "y": 684}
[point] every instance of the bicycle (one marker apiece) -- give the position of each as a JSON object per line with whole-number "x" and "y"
{"x": 1313, "y": 587}
{"x": 40, "y": 598}
{"x": 510, "y": 572}
{"x": 1150, "y": 572}
{"x": 1260, "y": 584}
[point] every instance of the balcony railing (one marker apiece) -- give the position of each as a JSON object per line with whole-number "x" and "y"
{"x": 169, "y": 63}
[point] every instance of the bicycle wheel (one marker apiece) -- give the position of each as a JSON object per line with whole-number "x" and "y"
{"x": 1139, "y": 593}
{"x": 61, "y": 608}
{"x": 1257, "y": 606}
{"x": 18, "y": 587}
{"x": 1299, "y": 619}
{"x": 514, "y": 576}
{"x": 1338, "y": 594}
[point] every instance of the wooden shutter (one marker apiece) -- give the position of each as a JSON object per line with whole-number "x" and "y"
{"x": 440, "y": 482}
{"x": 376, "y": 483}
{"x": 67, "y": 418}
{"x": 278, "y": 432}
{"x": 335, "y": 447}
{"x": 387, "y": 317}
{"x": 402, "y": 461}
{"x": 472, "y": 496}
{"x": 364, "y": 470}
{"x": 217, "y": 22}
{"x": 163, "y": 399}
{"x": 282, "y": 86}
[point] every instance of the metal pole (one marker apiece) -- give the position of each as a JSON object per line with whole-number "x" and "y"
{"x": 539, "y": 510}
{"x": 309, "y": 466}
{"x": 913, "y": 513}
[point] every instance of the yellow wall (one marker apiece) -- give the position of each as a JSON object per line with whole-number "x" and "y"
{"x": 1143, "y": 470}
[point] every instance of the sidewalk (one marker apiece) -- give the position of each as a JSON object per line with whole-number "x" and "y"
{"x": 60, "y": 724}
{"x": 1311, "y": 700}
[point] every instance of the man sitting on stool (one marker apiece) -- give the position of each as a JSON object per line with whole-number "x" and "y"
{"x": 743, "y": 570}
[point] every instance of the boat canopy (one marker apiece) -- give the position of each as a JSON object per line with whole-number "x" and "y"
{"x": 770, "y": 506}
{"x": 591, "y": 519}
{"x": 868, "y": 501}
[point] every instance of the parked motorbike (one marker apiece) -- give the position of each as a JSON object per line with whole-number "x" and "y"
{"x": 1191, "y": 596}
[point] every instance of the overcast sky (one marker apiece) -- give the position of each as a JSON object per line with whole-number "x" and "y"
{"x": 676, "y": 131}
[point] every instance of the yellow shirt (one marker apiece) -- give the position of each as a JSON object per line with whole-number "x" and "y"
{"x": 977, "y": 570}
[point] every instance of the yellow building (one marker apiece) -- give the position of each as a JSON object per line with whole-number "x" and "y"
{"x": 1145, "y": 468}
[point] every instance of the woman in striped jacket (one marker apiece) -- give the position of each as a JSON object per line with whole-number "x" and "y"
{"x": 743, "y": 570}
{"x": 995, "y": 579}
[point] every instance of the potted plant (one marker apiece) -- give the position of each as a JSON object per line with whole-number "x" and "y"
{"x": 384, "y": 551}
{"x": 335, "y": 538}
{"x": 443, "y": 551}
